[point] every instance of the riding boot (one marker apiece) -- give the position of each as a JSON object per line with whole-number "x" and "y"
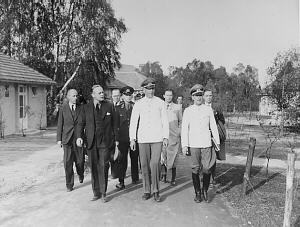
{"x": 206, "y": 180}
{"x": 196, "y": 183}
{"x": 173, "y": 176}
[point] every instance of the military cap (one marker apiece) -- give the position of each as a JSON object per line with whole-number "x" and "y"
{"x": 149, "y": 82}
{"x": 196, "y": 89}
{"x": 127, "y": 90}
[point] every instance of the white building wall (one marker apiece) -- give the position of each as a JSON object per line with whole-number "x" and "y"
{"x": 8, "y": 108}
{"x": 37, "y": 118}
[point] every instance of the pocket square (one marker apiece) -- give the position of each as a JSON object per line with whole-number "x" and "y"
{"x": 108, "y": 113}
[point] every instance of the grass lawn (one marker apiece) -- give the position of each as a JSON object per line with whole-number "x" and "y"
{"x": 239, "y": 136}
{"x": 264, "y": 203}
{"x": 265, "y": 200}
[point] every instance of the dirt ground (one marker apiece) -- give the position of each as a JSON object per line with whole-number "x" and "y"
{"x": 33, "y": 193}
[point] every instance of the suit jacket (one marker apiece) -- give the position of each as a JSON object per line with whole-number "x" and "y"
{"x": 218, "y": 113}
{"x": 86, "y": 124}
{"x": 67, "y": 124}
{"x": 124, "y": 119}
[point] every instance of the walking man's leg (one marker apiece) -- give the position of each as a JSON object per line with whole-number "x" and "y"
{"x": 144, "y": 149}
{"x": 79, "y": 161}
{"x": 134, "y": 159}
{"x": 196, "y": 169}
{"x": 68, "y": 165}
{"x": 93, "y": 159}
{"x": 156, "y": 149}
{"x": 123, "y": 147}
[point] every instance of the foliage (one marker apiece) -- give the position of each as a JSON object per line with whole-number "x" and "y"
{"x": 238, "y": 91}
{"x": 285, "y": 84}
{"x": 54, "y": 36}
{"x": 155, "y": 71}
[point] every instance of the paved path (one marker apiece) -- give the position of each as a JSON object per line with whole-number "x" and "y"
{"x": 32, "y": 193}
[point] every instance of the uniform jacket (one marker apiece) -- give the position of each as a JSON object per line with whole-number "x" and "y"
{"x": 124, "y": 119}
{"x": 67, "y": 124}
{"x": 110, "y": 127}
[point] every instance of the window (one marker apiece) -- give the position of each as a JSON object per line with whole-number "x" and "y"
{"x": 6, "y": 92}
{"x": 34, "y": 90}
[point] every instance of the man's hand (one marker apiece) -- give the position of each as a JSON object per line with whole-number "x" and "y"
{"x": 79, "y": 142}
{"x": 59, "y": 143}
{"x": 165, "y": 142}
{"x": 132, "y": 145}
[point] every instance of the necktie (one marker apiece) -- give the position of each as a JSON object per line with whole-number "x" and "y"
{"x": 73, "y": 110}
{"x": 98, "y": 107}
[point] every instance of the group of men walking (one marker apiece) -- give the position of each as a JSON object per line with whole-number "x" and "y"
{"x": 153, "y": 131}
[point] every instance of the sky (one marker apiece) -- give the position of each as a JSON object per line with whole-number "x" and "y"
{"x": 225, "y": 32}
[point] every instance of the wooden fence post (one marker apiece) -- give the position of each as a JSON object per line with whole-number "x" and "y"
{"x": 248, "y": 165}
{"x": 289, "y": 190}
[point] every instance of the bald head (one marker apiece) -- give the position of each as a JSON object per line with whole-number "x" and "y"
{"x": 72, "y": 96}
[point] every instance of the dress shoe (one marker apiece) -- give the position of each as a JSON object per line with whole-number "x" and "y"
{"x": 146, "y": 196}
{"x": 104, "y": 198}
{"x": 96, "y": 197}
{"x": 69, "y": 189}
{"x": 120, "y": 186}
{"x": 81, "y": 179}
{"x": 205, "y": 195}
{"x": 157, "y": 197}
{"x": 197, "y": 198}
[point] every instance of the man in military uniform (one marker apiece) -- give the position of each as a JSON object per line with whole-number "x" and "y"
{"x": 124, "y": 110}
{"x": 198, "y": 129}
{"x": 149, "y": 126}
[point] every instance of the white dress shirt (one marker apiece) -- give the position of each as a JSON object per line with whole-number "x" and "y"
{"x": 198, "y": 123}
{"x": 153, "y": 121}
{"x": 74, "y": 106}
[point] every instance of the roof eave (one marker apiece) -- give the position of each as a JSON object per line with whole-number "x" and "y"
{"x": 28, "y": 82}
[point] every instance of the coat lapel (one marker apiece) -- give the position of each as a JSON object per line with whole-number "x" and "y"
{"x": 77, "y": 112}
{"x": 68, "y": 111}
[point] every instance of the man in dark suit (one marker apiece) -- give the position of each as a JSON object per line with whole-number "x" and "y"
{"x": 66, "y": 128}
{"x": 100, "y": 122}
{"x": 124, "y": 110}
{"x": 220, "y": 120}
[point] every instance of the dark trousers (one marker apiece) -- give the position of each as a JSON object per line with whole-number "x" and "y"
{"x": 134, "y": 158}
{"x": 99, "y": 162}
{"x": 123, "y": 147}
{"x": 72, "y": 154}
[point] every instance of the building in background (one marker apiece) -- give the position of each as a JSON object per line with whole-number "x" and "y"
{"x": 23, "y": 96}
{"x": 130, "y": 75}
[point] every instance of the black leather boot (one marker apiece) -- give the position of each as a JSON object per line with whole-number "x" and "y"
{"x": 196, "y": 183}
{"x": 206, "y": 181}
{"x": 173, "y": 176}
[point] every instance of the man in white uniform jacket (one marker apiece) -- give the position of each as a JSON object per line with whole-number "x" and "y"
{"x": 149, "y": 124}
{"x": 198, "y": 127}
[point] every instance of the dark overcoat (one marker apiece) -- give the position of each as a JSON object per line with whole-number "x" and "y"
{"x": 67, "y": 123}
{"x": 109, "y": 130}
